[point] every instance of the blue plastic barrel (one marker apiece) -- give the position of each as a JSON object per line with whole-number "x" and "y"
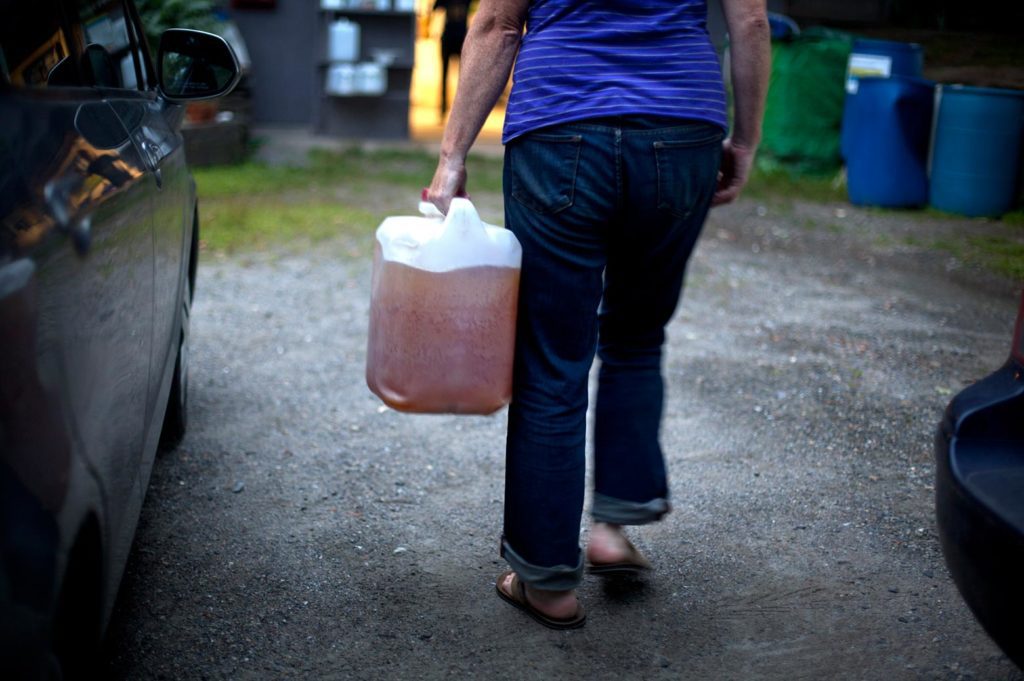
{"x": 876, "y": 59}
{"x": 891, "y": 120}
{"x": 781, "y": 26}
{"x": 976, "y": 155}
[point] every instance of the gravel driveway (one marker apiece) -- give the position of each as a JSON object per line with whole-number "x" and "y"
{"x": 302, "y": 530}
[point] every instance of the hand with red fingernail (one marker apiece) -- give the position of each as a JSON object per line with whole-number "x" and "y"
{"x": 449, "y": 182}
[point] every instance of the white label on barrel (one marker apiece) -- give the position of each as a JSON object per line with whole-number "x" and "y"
{"x": 866, "y": 65}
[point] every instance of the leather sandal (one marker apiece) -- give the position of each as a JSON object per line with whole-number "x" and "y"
{"x": 517, "y": 598}
{"x": 634, "y": 563}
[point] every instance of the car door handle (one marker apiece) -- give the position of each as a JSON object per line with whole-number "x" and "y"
{"x": 152, "y": 154}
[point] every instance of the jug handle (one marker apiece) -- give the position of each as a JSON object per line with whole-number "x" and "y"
{"x": 429, "y": 210}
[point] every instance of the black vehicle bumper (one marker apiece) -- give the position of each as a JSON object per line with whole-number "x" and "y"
{"x": 980, "y": 502}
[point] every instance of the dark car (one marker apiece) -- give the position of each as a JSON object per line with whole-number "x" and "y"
{"x": 98, "y": 247}
{"x": 980, "y": 497}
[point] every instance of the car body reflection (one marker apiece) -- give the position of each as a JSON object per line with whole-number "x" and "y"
{"x": 98, "y": 248}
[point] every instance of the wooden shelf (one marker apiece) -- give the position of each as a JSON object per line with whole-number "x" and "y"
{"x": 360, "y": 115}
{"x": 361, "y": 12}
{"x": 401, "y": 65}
{"x": 387, "y": 96}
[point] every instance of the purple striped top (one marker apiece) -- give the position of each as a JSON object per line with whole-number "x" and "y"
{"x": 591, "y": 58}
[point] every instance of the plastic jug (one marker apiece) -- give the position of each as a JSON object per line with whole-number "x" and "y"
{"x": 343, "y": 41}
{"x": 443, "y": 312}
{"x": 371, "y": 79}
{"x": 341, "y": 79}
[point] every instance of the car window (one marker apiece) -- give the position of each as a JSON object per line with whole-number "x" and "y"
{"x": 109, "y": 53}
{"x": 97, "y": 45}
{"x": 35, "y": 46}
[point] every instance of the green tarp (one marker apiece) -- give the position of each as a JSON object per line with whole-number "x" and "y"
{"x": 804, "y": 110}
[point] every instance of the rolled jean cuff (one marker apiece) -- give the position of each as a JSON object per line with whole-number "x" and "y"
{"x": 557, "y": 578}
{"x": 620, "y": 512}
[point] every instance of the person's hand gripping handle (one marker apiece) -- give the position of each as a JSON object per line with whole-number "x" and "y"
{"x": 449, "y": 181}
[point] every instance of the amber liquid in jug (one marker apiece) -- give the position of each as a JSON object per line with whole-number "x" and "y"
{"x": 442, "y": 342}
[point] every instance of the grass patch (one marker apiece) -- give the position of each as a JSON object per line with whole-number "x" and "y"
{"x": 884, "y": 241}
{"x": 251, "y": 206}
{"x": 775, "y": 182}
{"x": 1015, "y": 218}
{"x": 397, "y": 168}
{"x": 1004, "y": 255}
{"x": 1000, "y": 253}
{"x": 246, "y": 179}
{"x": 231, "y": 224}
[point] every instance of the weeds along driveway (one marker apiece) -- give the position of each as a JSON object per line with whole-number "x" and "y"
{"x": 304, "y": 531}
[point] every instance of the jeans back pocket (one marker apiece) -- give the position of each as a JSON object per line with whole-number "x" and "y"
{"x": 687, "y": 172}
{"x": 543, "y": 171}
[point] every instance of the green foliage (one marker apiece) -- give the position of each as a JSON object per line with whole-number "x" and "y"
{"x": 159, "y": 15}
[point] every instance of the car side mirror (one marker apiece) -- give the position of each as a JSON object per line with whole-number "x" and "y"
{"x": 195, "y": 65}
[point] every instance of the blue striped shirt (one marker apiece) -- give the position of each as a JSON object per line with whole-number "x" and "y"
{"x": 594, "y": 58}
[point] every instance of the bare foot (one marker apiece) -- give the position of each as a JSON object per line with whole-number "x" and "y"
{"x": 607, "y": 543}
{"x": 554, "y": 604}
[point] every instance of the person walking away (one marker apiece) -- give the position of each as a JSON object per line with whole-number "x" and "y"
{"x": 453, "y": 36}
{"x": 614, "y": 153}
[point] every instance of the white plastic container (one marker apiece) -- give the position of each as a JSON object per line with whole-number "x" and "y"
{"x": 343, "y": 41}
{"x": 371, "y": 79}
{"x": 341, "y": 80}
{"x": 443, "y": 313}
{"x": 331, "y": 4}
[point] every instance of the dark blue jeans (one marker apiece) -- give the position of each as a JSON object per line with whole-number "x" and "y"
{"x": 608, "y": 212}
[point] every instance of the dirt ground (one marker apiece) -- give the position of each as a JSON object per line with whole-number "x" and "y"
{"x": 304, "y": 531}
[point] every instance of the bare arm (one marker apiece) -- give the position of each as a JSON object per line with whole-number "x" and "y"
{"x": 487, "y": 57}
{"x": 750, "y": 51}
